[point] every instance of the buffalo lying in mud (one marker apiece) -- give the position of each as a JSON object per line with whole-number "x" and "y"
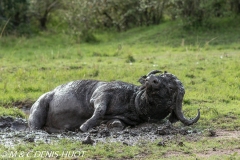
{"x": 87, "y": 103}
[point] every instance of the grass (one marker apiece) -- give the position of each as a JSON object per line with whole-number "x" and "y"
{"x": 177, "y": 148}
{"x": 14, "y": 112}
{"x": 206, "y": 61}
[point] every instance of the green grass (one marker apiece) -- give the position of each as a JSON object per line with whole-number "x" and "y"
{"x": 14, "y": 112}
{"x": 206, "y": 61}
{"x": 191, "y": 148}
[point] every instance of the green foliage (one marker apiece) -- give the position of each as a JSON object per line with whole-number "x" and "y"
{"x": 82, "y": 19}
{"x": 13, "y": 16}
{"x": 24, "y": 17}
{"x": 41, "y": 10}
{"x": 123, "y": 15}
{"x": 103, "y": 14}
{"x": 234, "y": 6}
{"x": 199, "y": 13}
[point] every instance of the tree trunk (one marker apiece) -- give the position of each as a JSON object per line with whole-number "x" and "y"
{"x": 43, "y": 20}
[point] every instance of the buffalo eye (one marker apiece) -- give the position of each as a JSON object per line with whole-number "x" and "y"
{"x": 155, "y": 81}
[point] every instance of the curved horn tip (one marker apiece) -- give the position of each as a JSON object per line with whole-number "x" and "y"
{"x": 189, "y": 122}
{"x": 195, "y": 119}
{"x": 154, "y": 72}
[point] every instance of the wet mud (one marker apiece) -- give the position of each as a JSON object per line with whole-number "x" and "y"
{"x": 14, "y": 131}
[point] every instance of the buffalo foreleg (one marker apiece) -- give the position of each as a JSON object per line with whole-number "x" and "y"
{"x": 99, "y": 112}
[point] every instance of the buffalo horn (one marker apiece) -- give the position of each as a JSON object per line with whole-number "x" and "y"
{"x": 153, "y": 72}
{"x": 178, "y": 111}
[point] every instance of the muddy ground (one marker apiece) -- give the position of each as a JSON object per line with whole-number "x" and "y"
{"x": 15, "y": 131}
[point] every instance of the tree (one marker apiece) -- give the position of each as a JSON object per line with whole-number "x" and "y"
{"x": 41, "y": 10}
{"x": 14, "y": 14}
{"x": 84, "y": 16}
{"x": 235, "y": 6}
{"x": 199, "y": 12}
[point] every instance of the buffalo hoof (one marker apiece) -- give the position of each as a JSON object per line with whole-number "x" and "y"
{"x": 84, "y": 128}
{"x": 115, "y": 124}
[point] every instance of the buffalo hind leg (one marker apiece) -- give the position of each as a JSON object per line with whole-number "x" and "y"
{"x": 38, "y": 112}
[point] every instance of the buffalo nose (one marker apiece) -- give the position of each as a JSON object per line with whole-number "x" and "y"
{"x": 152, "y": 79}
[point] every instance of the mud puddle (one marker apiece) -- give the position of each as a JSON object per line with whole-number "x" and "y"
{"x": 16, "y": 131}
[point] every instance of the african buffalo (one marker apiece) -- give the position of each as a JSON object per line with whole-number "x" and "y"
{"x": 87, "y": 103}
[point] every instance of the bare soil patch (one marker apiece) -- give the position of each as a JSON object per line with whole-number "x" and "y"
{"x": 20, "y": 104}
{"x": 223, "y": 134}
{"x": 218, "y": 135}
{"x": 219, "y": 152}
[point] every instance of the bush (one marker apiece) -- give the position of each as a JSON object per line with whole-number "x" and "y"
{"x": 199, "y": 13}
{"x": 13, "y": 15}
{"x": 85, "y": 16}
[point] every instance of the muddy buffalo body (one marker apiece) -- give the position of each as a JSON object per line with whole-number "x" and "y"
{"x": 81, "y": 105}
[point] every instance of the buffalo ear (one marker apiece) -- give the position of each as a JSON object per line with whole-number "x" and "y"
{"x": 142, "y": 79}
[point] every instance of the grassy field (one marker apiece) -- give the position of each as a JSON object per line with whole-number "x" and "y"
{"x": 206, "y": 61}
